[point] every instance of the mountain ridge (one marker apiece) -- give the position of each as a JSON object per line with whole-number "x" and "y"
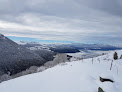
{"x": 15, "y": 58}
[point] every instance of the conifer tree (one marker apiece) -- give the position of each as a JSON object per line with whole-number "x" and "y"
{"x": 115, "y": 56}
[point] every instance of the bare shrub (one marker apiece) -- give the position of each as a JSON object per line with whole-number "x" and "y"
{"x": 42, "y": 68}
{"x": 32, "y": 69}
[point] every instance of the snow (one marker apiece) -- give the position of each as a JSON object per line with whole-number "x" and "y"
{"x": 76, "y": 76}
{"x": 39, "y": 48}
{"x": 87, "y": 54}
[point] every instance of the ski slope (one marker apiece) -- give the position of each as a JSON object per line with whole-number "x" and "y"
{"x": 76, "y": 76}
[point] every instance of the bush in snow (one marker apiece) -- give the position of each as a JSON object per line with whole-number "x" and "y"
{"x": 115, "y": 56}
{"x": 103, "y": 53}
{"x": 32, "y": 69}
{"x": 5, "y": 77}
{"x": 42, "y": 68}
{"x": 50, "y": 64}
{"x": 100, "y": 89}
{"x": 59, "y": 58}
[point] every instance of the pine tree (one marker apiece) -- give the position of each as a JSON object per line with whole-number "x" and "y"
{"x": 115, "y": 56}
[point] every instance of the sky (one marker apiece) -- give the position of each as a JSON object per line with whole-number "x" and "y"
{"x": 80, "y": 21}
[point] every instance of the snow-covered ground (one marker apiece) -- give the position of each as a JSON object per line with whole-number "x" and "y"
{"x": 88, "y": 53}
{"x": 76, "y": 76}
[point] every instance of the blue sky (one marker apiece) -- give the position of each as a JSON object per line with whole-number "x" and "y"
{"x": 80, "y": 21}
{"x": 26, "y": 39}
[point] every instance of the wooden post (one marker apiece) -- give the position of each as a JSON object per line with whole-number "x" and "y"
{"x": 111, "y": 65}
{"x": 92, "y": 60}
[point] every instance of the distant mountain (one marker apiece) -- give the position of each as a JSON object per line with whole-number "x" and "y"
{"x": 69, "y": 48}
{"x": 43, "y": 52}
{"x": 101, "y": 47}
{"x": 57, "y": 48}
{"x": 15, "y": 58}
{"x": 40, "y": 49}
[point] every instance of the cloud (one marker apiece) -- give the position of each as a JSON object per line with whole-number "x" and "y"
{"x": 71, "y": 20}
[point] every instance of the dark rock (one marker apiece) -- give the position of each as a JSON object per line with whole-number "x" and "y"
{"x": 105, "y": 80}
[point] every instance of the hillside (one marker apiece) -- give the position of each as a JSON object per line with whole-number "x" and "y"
{"x": 15, "y": 58}
{"x": 76, "y": 76}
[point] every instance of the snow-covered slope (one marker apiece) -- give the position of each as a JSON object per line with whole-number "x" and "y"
{"x": 15, "y": 58}
{"x": 77, "y": 76}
